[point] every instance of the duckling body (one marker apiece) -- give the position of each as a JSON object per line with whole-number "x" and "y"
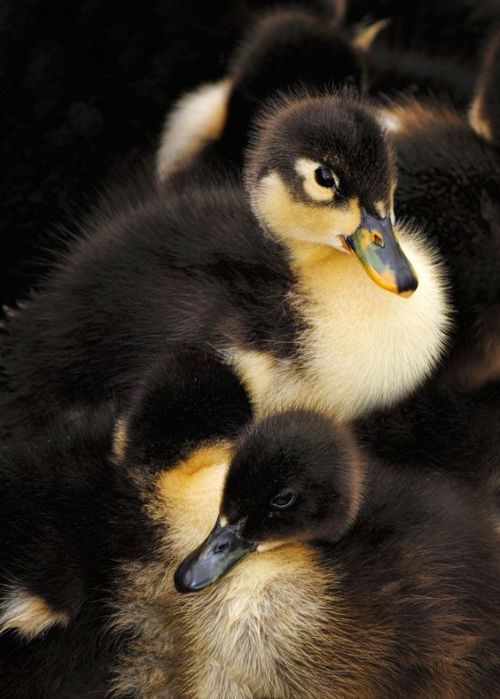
{"x": 268, "y": 285}
{"x": 396, "y": 590}
{"x": 75, "y": 522}
{"x": 453, "y": 28}
{"x": 350, "y": 614}
{"x": 67, "y": 519}
{"x": 448, "y": 183}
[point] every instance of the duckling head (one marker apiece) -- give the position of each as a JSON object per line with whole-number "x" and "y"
{"x": 296, "y": 477}
{"x": 321, "y": 173}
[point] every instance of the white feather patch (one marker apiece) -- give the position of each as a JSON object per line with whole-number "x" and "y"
{"x": 197, "y": 118}
{"x": 28, "y": 614}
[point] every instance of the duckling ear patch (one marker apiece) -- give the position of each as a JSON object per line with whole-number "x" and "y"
{"x": 189, "y": 495}
{"x": 306, "y": 168}
{"x": 30, "y": 615}
{"x": 484, "y": 114}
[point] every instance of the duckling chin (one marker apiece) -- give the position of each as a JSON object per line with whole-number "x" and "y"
{"x": 328, "y": 575}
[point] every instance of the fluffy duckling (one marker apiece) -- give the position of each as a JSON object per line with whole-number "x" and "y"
{"x": 69, "y": 518}
{"x": 449, "y": 179}
{"x": 176, "y": 439}
{"x": 270, "y": 278}
{"x": 211, "y": 126}
{"x": 441, "y": 427}
{"x": 76, "y": 524}
{"x": 442, "y": 163}
{"x": 330, "y": 575}
{"x": 451, "y": 28}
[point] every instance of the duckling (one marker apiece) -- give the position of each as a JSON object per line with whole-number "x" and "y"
{"x": 268, "y": 277}
{"x": 437, "y": 179}
{"x": 449, "y": 176}
{"x": 69, "y": 518}
{"x": 210, "y": 127}
{"x": 441, "y": 427}
{"x": 329, "y": 575}
{"x": 450, "y": 29}
{"x": 76, "y": 523}
{"x": 178, "y": 450}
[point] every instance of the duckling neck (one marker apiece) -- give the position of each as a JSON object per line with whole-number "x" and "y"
{"x": 304, "y": 254}
{"x": 364, "y": 346}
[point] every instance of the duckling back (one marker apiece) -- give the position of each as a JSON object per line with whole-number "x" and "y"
{"x": 149, "y": 275}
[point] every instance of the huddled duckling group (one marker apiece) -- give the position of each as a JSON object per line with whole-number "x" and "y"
{"x": 251, "y": 421}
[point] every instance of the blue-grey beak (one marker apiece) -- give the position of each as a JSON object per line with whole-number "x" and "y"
{"x": 222, "y": 548}
{"x": 376, "y": 247}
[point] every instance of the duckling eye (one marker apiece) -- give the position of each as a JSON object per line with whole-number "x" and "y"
{"x": 284, "y": 500}
{"x": 325, "y": 177}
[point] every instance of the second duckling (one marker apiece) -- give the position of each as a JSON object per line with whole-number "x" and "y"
{"x": 329, "y": 575}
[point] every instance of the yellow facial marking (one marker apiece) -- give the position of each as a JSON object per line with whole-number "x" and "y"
{"x": 292, "y": 220}
{"x": 381, "y": 209}
{"x": 120, "y": 439}
{"x": 306, "y": 169}
{"x": 189, "y": 495}
{"x": 271, "y": 545}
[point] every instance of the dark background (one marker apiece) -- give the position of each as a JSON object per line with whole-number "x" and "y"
{"x": 85, "y": 85}
{"x": 84, "y": 88}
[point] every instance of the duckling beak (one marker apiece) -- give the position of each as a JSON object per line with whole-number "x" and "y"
{"x": 376, "y": 247}
{"x": 222, "y": 548}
